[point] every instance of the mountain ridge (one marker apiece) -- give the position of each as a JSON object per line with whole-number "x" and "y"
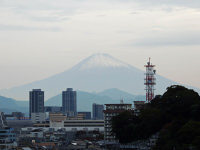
{"x": 95, "y": 78}
{"x": 9, "y": 105}
{"x": 84, "y": 101}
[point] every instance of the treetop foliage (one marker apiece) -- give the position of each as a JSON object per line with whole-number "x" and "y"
{"x": 175, "y": 115}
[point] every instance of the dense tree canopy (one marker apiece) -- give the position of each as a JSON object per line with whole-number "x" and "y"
{"x": 175, "y": 116}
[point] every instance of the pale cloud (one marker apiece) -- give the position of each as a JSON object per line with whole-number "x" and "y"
{"x": 28, "y": 28}
{"x": 182, "y": 39}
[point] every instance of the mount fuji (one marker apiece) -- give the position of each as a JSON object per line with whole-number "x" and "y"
{"x": 95, "y": 73}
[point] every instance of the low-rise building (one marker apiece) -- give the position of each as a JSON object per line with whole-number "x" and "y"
{"x": 57, "y": 120}
{"x": 38, "y": 117}
{"x": 74, "y": 125}
{"x": 87, "y": 125}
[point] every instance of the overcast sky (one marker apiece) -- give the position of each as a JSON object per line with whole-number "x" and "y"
{"x": 39, "y": 38}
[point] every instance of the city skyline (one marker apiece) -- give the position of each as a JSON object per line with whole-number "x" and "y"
{"x": 38, "y": 42}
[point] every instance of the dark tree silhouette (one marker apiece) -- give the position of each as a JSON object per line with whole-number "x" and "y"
{"x": 175, "y": 115}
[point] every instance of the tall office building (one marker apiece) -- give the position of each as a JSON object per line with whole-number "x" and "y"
{"x": 36, "y": 101}
{"x": 97, "y": 111}
{"x": 69, "y": 106}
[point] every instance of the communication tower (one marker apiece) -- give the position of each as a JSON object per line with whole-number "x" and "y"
{"x": 149, "y": 81}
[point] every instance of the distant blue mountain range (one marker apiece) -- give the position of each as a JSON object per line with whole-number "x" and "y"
{"x": 84, "y": 100}
{"x": 9, "y": 105}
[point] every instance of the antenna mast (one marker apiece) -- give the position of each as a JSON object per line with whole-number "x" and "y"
{"x": 149, "y": 81}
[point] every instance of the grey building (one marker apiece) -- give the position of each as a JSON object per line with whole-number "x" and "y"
{"x": 97, "y": 111}
{"x": 69, "y": 105}
{"x": 36, "y": 101}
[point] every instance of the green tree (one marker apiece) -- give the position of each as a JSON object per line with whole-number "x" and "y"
{"x": 175, "y": 115}
{"x": 124, "y": 124}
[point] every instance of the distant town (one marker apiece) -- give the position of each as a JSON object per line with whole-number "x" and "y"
{"x": 55, "y": 127}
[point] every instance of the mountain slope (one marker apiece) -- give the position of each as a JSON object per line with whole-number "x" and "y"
{"x": 115, "y": 93}
{"x": 95, "y": 73}
{"x": 86, "y": 99}
{"x": 9, "y": 105}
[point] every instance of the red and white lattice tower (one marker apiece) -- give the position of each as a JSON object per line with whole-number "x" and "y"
{"x": 150, "y": 81}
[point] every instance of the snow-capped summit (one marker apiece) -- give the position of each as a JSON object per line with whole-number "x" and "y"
{"x": 101, "y": 60}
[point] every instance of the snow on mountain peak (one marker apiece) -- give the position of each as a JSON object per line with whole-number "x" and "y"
{"x": 101, "y": 60}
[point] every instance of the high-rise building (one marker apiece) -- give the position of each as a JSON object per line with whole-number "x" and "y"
{"x": 97, "y": 111}
{"x": 69, "y": 106}
{"x": 36, "y": 101}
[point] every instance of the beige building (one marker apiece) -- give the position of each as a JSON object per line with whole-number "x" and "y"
{"x": 57, "y": 120}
